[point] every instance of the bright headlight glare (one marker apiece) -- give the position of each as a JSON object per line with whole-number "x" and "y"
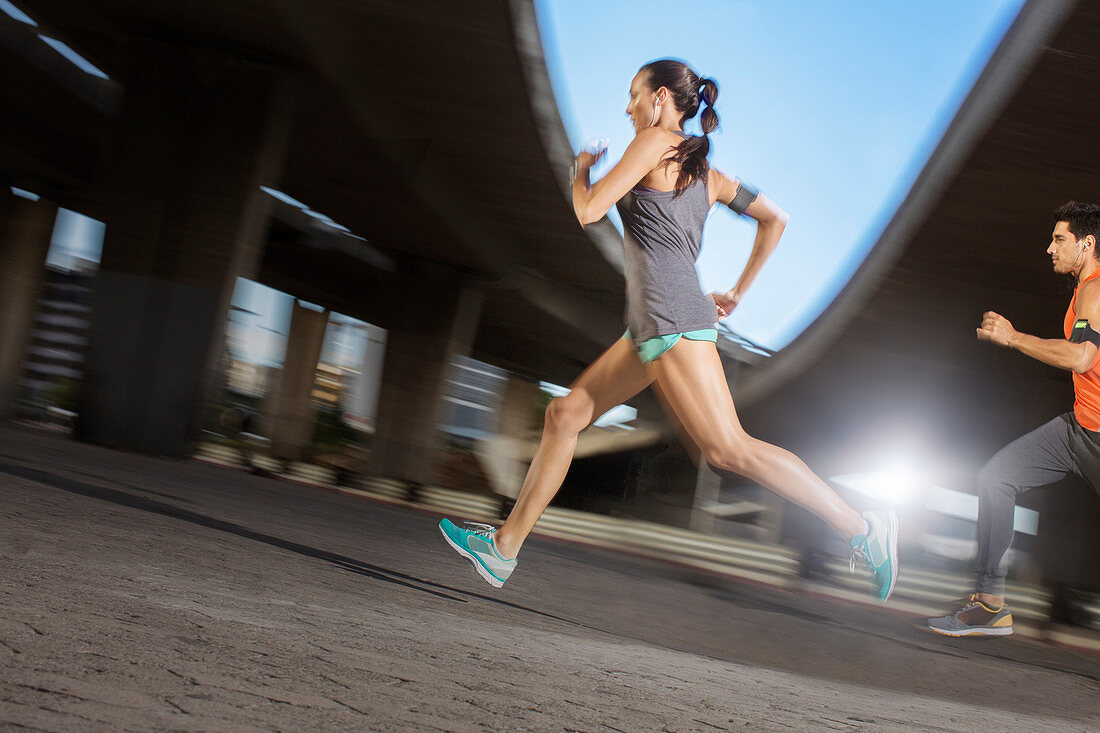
{"x": 896, "y": 483}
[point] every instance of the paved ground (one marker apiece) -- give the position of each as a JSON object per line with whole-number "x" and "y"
{"x": 144, "y": 594}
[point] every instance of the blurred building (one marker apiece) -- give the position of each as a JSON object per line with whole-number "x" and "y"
{"x": 329, "y": 384}
{"x": 471, "y": 398}
{"x": 248, "y": 378}
{"x": 54, "y": 362}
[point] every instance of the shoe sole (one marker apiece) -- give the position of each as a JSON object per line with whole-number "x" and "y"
{"x": 892, "y": 542}
{"x": 485, "y": 574}
{"x": 987, "y": 631}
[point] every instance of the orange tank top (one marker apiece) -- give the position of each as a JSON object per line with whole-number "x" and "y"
{"x": 1086, "y": 386}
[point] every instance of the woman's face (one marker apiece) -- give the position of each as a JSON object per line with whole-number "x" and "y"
{"x": 640, "y": 107}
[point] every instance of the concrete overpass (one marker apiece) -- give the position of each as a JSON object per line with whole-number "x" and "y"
{"x": 428, "y": 130}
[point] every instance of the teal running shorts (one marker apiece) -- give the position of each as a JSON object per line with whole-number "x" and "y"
{"x": 652, "y": 348}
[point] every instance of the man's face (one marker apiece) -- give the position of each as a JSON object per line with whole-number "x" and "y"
{"x": 1066, "y": 252}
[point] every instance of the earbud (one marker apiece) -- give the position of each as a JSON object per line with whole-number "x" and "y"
{"x": 1081, "y": 245}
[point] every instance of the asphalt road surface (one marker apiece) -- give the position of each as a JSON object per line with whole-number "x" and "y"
{"x": 148, "y": 594}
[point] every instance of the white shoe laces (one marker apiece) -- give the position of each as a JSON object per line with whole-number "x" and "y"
{"x": 482, "y": 530}
{"x": 859, "y": 552}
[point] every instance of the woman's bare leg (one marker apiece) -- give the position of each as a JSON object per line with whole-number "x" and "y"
{"x": 688, "y": 444}
{"x": 612, "y": 379}
{"x": 690, "y": 376}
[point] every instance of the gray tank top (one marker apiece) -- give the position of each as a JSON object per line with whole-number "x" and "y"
{"x": 662, "y": 235}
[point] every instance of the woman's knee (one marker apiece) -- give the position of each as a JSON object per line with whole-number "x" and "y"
{"x": 570, "y": 413}
{"x": 734, "y": 455}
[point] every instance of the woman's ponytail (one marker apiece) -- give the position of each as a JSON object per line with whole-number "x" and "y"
{"x": 708, "y": 94}
{"x": 689, "y": 92}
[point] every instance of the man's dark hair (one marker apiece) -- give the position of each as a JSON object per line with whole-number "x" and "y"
{"x": 1082, "y": 219}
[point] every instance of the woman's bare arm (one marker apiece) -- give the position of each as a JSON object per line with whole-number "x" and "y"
{"x": 591, "y": 201}
{"x": 771, "y": 221}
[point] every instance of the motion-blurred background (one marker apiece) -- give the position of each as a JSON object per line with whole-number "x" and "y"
{"x": 331, "y": 241}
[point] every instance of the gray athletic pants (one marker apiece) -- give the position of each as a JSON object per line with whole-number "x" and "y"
{"x": 1041, "y": 457}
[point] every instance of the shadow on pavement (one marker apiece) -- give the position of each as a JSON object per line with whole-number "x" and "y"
{"x": 376, "y": 572}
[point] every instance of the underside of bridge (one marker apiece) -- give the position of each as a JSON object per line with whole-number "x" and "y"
{"x": 421, "y": 127}
{"x": 425, "y": 134}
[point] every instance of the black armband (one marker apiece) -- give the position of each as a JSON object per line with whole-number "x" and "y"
{"x": 746, "y": 194}
{"x": 1082, "y": 332}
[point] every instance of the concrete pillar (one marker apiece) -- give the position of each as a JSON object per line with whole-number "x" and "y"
{"x": 290, "y": 413}
{"x": 517, "y": 407}
{"x": 364, "y": 398}
{"x": 708, "y": 487}
{"x": 505, "y": 456}
{"x": 437, "y": 323}
{"x": 197, "y": 135}
{"x": 25, "y": 230}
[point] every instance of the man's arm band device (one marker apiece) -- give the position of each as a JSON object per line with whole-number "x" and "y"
{"x": 1082, "y": 332}
{"x": 746, "y": 194}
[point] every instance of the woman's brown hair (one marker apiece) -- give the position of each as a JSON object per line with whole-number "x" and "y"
{"x": 689, "y": 91}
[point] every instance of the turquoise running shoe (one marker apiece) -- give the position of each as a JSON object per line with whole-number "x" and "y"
{"x": 879, "y": 549}
{"x": 475, "y": 543}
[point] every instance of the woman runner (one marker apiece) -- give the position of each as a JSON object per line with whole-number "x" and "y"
{"x": 664, "y": 187}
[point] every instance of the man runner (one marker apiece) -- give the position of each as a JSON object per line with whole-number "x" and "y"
{"x": 1068, "y": 443}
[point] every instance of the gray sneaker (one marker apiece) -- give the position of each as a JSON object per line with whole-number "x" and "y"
{"x": 974, "y": 619}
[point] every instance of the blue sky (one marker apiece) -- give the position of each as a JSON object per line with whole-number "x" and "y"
{"x": 831, "y": 109}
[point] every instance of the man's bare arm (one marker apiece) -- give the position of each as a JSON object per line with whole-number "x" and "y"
{"x": 1060, "y": 353}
